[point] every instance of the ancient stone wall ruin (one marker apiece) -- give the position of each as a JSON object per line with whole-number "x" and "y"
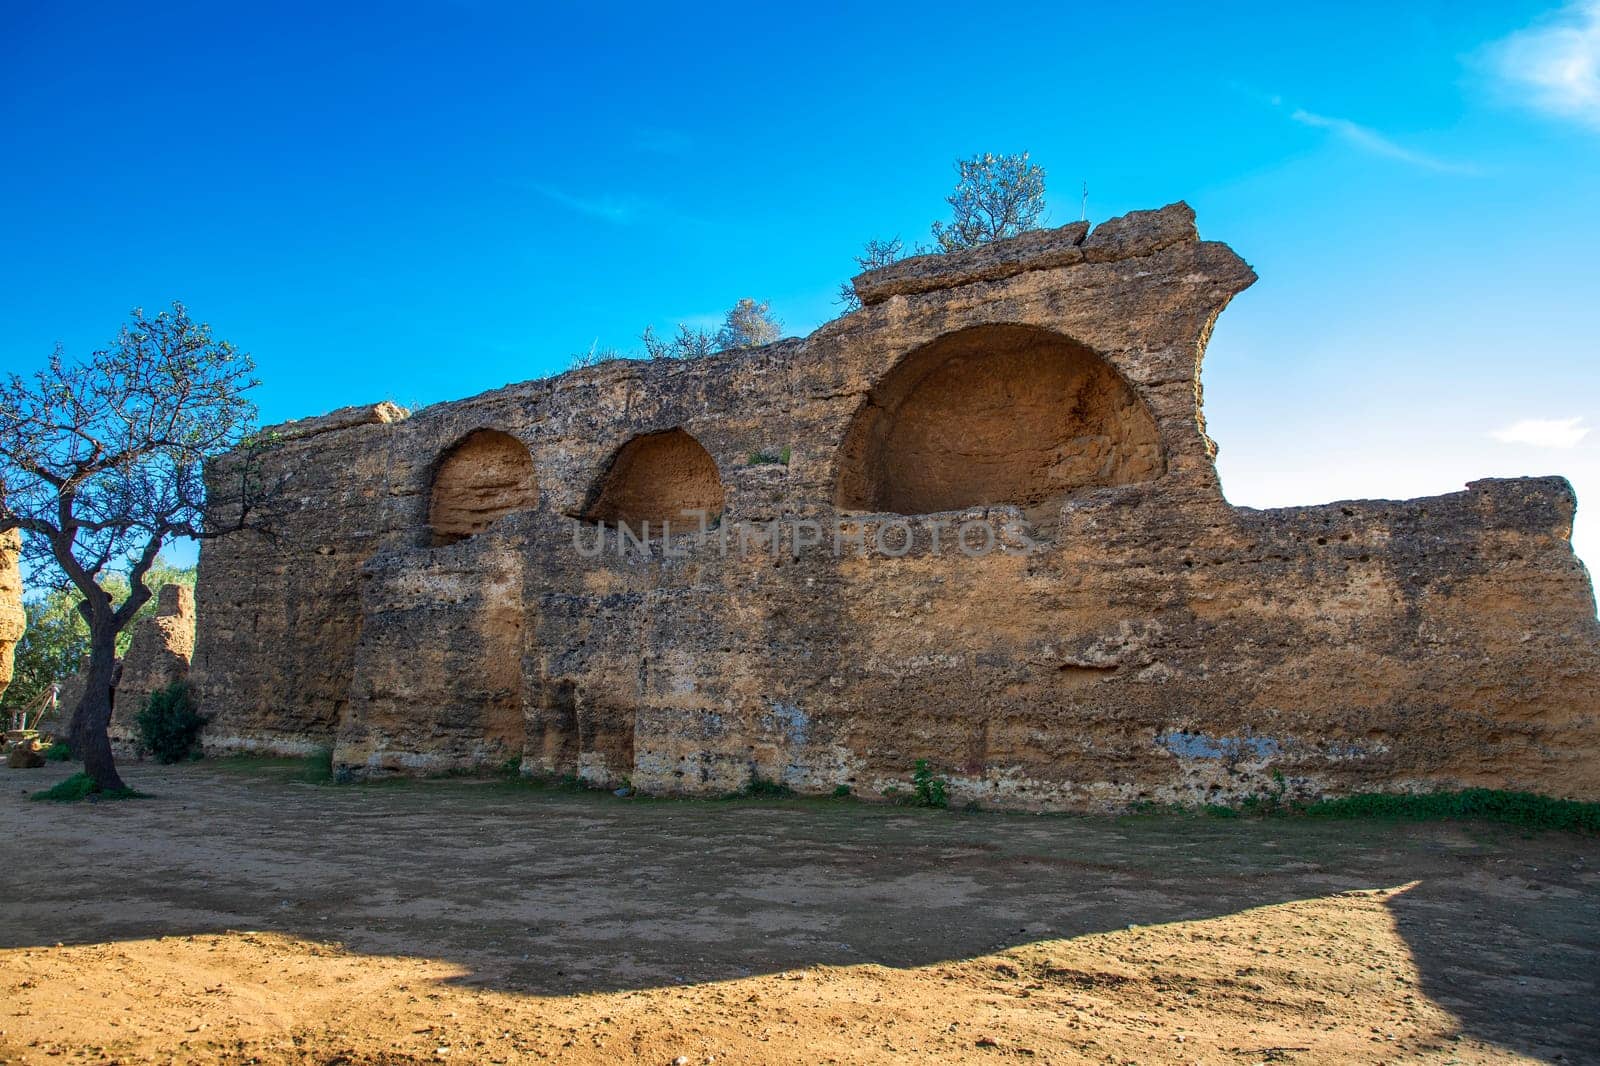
{"x": 452, "y": 589}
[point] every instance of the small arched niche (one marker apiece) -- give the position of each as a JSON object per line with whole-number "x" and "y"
{"x": 482, "y": 476}
{"x": 1000, "y": 414}
{"x": 655, "y": 478}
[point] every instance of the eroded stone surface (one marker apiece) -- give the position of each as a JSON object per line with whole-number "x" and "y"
{"x": 12, "y": 618}
{"x": 1138, "y": 639}
{"x": 1034, "y": 250}
{"x": 1140, "y": 233}
{"x": 486, "y": 475}
{"x": 996, "y": 414}
{"x": 659, "y": 478}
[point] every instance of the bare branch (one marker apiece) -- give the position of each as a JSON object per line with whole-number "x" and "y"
{"x": 100, "y": 459}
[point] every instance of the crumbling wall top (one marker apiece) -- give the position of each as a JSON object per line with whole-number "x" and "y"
{"x": 1125, "y": 237}
{"x": 368, "y": 414}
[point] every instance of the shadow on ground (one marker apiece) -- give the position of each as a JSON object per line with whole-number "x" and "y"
{"x": 554, "y": 893}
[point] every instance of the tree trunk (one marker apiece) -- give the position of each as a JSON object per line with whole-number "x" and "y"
{"x": 93, "y": 713}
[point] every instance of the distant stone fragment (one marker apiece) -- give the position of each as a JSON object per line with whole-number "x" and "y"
{"x": 12, "y": 618}
{"x": 23, "y": 750}
{"x": 157, "y": 656}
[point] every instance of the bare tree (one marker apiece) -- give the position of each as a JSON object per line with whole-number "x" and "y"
{"x": 594, "y": 356}
{"x": 100, "y": 465}
{"x": 748, "y": 324}
{"x": 877, "y": 253}
{"x": 688, "y": 344}
{"x": 997, "y": 196}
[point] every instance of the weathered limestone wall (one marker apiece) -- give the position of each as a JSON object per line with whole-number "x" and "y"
{"x": 1139, "y": 639}
{"x": 443, "y": 631}
{"x": 12, "y": 617}
{"x": 280, "y": 616}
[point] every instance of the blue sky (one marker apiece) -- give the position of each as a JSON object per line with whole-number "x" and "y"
{"x": 418, "y": 203}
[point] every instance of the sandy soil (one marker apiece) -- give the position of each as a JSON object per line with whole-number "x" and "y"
{"x": 242, "y": 916}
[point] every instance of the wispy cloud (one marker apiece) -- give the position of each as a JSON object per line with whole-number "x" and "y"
{"x": 618, "y": 210}
{"x": 1370, "y": 140}
{"x": 1553, "y": 66}
{"x": 1543, "y": 432}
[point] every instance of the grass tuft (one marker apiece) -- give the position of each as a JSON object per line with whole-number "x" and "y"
{"x": 81, "y": 786}
{"x": 769, "y": 458}
{"x": 537, "y": 782}
{"x": 317, "y": 768}
{"x": 58, "y": 752}
{"x": 1526, "y": 809}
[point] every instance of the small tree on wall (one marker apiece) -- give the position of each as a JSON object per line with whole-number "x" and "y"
{"x": 877, "y": 253}
{"x": 688, "y": 343}
{"x": 100, "y": 466}
{"x": 747, "y": 324}
{"x": 996, "y": 196}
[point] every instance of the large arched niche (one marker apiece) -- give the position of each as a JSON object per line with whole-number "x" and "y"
{"x": 482, "y": 476}
{"x": 999, "y": 414}
{"x": 655, "y": 478}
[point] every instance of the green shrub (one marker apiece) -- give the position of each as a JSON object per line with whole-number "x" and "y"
{"x": 169, "y": 724}
{"x": 58, "y": 752}
{"x": 766, "y": 458}
{"x": 929, "y": 787}
{"x": 841, "y": 792}
{"x": 81, "y": 786}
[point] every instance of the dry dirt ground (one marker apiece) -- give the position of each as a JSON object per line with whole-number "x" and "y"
{"x": 244, "y": 916}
